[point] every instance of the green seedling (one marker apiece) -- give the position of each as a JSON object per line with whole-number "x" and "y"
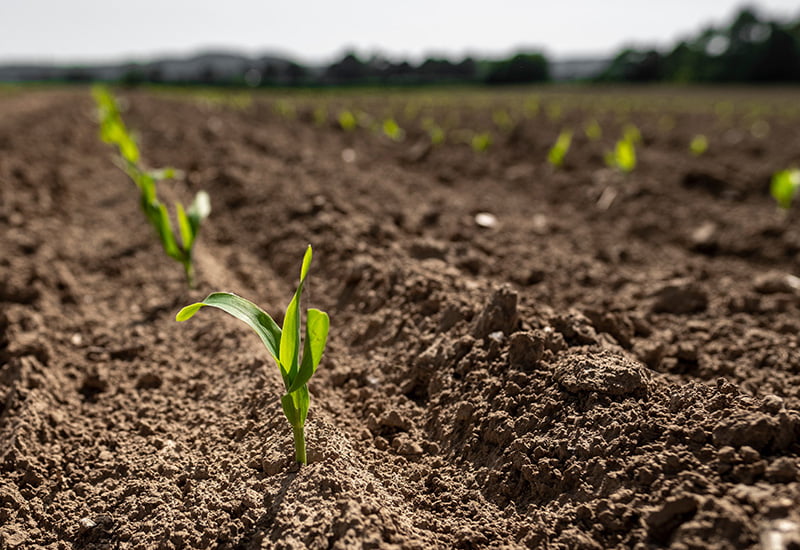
{"x": 112, "y": 128}
{"x": 593, "y": 130}
{"x": 632, "y": 134}
{"x": 347, "y": 121}
{"x": 502, "y": 120}
{"x": 392, "y": 130}
{"x": 285, "y": 109}
{"x": 698, "y": 145}
{"x": 554, "y": 112}
{"x": 320, "y": 116}
{"x": 283, "y": 344}
{"x": 179, "y": 248}
{"x": 784, "y": 187}
{"x": 559, "y": 150}
{"x": 623, "y": 157}
{"x": 436, "y": 134}
{"x": 481, "y": 142}
{"x": 531, "y": 106}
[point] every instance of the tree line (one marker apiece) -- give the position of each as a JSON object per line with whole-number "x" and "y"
{"x": 749, "y": 49}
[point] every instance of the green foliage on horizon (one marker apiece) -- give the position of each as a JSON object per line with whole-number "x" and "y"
{"x": 283, "y": 344}
{"x": 114, "y": 132}
{"x": 749, "y": 49}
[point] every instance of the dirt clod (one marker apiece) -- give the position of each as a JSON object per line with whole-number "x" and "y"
{"x": 603, "y": 372}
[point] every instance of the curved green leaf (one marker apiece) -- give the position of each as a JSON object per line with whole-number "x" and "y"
{"x": 188, "y": 312}
{"x": 303, "y": 401}
{"x": 160, "y": 216}
{"x": 317, "y": 325}
{"x": 244, "y": 310}
{"x": 185, "y": 227}
{"x": 290, "y": 336}
{"x": 306, "y": 264}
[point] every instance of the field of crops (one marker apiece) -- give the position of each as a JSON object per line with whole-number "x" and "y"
{"x": 590, "y": 346}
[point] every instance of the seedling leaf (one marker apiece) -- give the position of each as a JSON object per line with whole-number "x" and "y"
{"x": 188, "y": 312}
{"x": 317, "y": 325}
{"x": 184, "y": 226}
{"x": 244, "y": 310}
{"x": 164, "y": 228}
{"x": 784, "y": 187}
{"x": 306, "y": 264}
{"x": 290, "y": 409}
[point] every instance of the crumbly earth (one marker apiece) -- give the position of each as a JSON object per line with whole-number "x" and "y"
{"x": 612, "y": 362}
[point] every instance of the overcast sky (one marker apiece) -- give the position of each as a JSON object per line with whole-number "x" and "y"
{"x": 320, "y": 30}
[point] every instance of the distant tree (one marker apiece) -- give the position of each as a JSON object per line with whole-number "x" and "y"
{"x": 636, "y": 66}
{"x": 519, "y": 69}
{"x": 467, "y": 69}
{"x": 349, "y": 69}
{"x": 778, "y": 57}
{"x": 747, "y": 50}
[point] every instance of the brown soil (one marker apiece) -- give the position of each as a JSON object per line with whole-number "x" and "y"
{"x": 614, "y": 364}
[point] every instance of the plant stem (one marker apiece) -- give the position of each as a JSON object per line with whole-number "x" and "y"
{"x": 189, "y": 269}
{"x": 299, "y": 444}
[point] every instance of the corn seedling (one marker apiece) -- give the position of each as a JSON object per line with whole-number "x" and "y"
{"x": 593, "y": 130}
{"x": 347, "y": 121}
{"x": 481, "y": 142}
{"x": 320, "y": 116}
{"x": 698, "y": 145}
{"x": 436, "y": 134}
{"x": 531, "y": 106}
{"x": 623, "y": 157}
{"x": 502, "y": 120}
{"x": 784, "y": 187}
{"x": 114, "y": 132}
{"x": 559, "y": 150}
{"x": 554, "y": 112}
{"x": 392, "y": 130}
{"x": 283, "y": 344}
{"x": 632, "y": 134}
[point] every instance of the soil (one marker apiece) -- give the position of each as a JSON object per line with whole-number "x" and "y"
{"x": 607, "y": 361}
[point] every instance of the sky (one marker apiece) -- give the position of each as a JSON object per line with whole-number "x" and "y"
{"x": 74, "y": 31}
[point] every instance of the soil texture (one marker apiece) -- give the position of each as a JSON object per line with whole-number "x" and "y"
{"x": 520, "y": 357}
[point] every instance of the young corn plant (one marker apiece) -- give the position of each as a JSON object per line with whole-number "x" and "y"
{"x": 698, "y": 145}
{"x": 392, "y": 130}
{"x": 784, "y": 187}
{"x": 113, "y": 131}
{"x": 480, "y": 143}
{"x": 623, "y": 157}
{"x": 559, "y": 150}
{"x": 593, "y": 130}
{"x": 347, "y": 121}
{"x": 283, "y": 344}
